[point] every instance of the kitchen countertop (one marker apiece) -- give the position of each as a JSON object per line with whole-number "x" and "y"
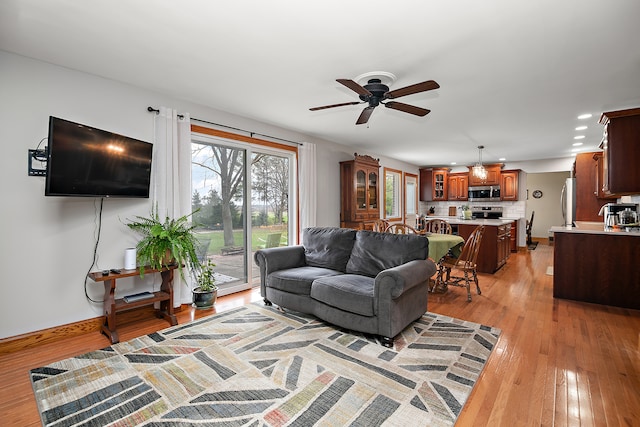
{"x": 476, "y": 221}
{"x": 592, "y": 228}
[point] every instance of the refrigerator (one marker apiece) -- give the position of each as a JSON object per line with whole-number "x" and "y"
{"x": 568, "y": 202}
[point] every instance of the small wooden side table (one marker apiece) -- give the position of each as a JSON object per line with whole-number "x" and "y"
{"x": 113, "y": 305}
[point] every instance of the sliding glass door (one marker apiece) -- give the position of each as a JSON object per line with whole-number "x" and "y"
{"x": 241, "y": 202}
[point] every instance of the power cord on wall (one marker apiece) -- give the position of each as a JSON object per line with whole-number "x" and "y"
{"x": 95, "y": 250}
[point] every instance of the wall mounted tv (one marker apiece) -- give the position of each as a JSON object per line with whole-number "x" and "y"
{"x": 89, "y": 162}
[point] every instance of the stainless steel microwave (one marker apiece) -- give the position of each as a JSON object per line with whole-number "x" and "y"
{"x": 484, "y": 193}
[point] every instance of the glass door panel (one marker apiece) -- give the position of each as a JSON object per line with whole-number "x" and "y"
{"x": 270, "y": 189}
{"x": 218, "y": 201}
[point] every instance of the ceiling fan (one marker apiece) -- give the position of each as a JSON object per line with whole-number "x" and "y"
{"x": 375, "y": 92}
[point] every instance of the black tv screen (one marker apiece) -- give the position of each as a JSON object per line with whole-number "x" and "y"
{"x": 85, "y": 161}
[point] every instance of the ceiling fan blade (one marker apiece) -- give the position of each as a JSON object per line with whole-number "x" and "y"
{"x": 354, "y": 87}
{"x": 416, "y": 88}
{"x": 335, "y": 105}
{"x": 364, "y": 116}
{"x": 411, "y": 109}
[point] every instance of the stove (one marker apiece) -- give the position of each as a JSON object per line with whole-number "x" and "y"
{"x": 486, "y": 212}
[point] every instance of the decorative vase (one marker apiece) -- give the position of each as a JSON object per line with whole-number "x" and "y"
{"x": 204, "y": 299}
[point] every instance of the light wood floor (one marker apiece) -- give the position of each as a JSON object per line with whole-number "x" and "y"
{"x": 557, "y": 362}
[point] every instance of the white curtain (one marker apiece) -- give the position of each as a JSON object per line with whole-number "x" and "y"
{"x": 308, "y": 181}
{"x": 172, "y": 177}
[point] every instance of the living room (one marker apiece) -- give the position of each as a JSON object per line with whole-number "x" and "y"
{"x": 54, "y": 238}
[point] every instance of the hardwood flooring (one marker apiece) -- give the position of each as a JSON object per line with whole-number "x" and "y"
{"x": 557, "y": 362}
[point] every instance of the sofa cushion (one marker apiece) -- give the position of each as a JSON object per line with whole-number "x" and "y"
{"x": 374, "y": 252}
{"x": 298, "y": 280}
{"x": 348, "y": 292}
{"x": 328, "y": 247}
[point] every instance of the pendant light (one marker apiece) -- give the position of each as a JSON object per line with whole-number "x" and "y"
{"x": 478, "y": 170}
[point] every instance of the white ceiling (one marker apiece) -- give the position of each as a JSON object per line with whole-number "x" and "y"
{"x": 514, "y": 75}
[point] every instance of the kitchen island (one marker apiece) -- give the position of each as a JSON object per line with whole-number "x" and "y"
{"x": 495, "y": 247}
{"x": 596, "y": 265}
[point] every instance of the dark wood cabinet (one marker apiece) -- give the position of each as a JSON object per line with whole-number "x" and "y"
{"x": 587, "y": 202}
{"x": 514, "y": 236}
{"x": 621, "y": 152}
{"x": 597, "y": 268}
{"x": 509, "y": 185}
{"x": 359, "y": 192}
{"x": 493, "y": 176}
{"x": 495, "y": 247}
{"x": 598, "y": 167}
{"x": 434, "y": 184}
{"x": 458, "y": 186}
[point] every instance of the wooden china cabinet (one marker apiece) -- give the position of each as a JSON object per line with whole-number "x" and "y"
{"x": 359, "y": 192}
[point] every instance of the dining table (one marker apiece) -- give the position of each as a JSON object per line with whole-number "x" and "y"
{"x": 441, "y": 244}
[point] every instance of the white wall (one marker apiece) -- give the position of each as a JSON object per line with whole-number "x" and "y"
{"x": 47, "y": 242}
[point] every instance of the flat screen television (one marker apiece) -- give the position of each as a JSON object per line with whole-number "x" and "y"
{"x": 90, "y": 162}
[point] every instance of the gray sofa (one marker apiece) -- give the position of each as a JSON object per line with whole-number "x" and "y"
{"x": 365, "y": 281}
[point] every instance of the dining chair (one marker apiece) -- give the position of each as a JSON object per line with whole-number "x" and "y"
{"x": 466, "y": 263}
{"x": 401, "y": 228}
{"x": 438, "y": 226}
{"x": 529, "y": 227}
{"x": 380, "y": 225}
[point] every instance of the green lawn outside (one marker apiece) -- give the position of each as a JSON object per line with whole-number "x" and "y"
{"x": 257, "y": 233}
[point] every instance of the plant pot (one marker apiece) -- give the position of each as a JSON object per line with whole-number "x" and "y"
{"x": 204, "y": 299}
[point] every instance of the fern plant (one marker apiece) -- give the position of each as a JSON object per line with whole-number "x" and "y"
{"x": 165, "y": 242}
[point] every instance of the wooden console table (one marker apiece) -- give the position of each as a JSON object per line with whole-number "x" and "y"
{"x": 113, "y": 305}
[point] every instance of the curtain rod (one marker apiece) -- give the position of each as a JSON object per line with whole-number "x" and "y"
{"x": 153, "y": 110}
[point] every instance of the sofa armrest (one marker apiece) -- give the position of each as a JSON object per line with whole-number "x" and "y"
{"x": 395, "y": 281}
{"x": 278, "y": 258}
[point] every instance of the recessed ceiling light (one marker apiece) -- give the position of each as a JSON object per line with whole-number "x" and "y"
{"x": 502, "y": 159}
{"x": 585, "y": 116}
{"x": 578, "y": 137}
{"x": 574, "y": 150}
{"x": 577, "y": 144}
{"x": 453, "y": 163}
{"x": 581, "y": 128}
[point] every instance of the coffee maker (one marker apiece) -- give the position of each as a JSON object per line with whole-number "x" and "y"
{"x": 619, "y": 214}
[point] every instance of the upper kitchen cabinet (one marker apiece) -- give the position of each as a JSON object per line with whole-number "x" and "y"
{"x": 509, "y": 185}
{"x": 458, "y": 186}
{"x": 434, "y": 184}
{"x": 621, "y": 152}
{"x": 493, "y": 176}
{"x": 359, "y": 192}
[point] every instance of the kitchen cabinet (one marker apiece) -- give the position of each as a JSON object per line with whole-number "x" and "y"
{"x": 495, "y": 246}
{"x": 509, "y": 185}
{"x": 434, "y": 184}
{"x": 599, "y": 267}
{"x": 598, "y": 167}
{"x": 458, "y": 186}
{"x": 493, "y": 176}
{"x": 514, "y": 236}
{"x": 359, "y": 192}
{"x": 621, "y": 152}
{"x": 587, "y": 202}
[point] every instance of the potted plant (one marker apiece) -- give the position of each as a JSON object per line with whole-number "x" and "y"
{"x": 165, "y": 242}
{"x": 432, "y": 210}
{"x": 206, "y": 291}
{"x": 466, "y": 211}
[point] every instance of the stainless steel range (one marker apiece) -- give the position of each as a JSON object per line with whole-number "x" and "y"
{"x": 486, "y": 212}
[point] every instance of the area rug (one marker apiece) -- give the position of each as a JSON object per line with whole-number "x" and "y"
{"x": 260, "y": 366}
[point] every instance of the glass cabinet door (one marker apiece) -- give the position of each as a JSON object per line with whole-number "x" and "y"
{"x": 373, "y": 190}
{"x": 361, "y": 190}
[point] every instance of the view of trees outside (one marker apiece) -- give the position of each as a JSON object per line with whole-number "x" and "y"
{"x": 218, "y": 191}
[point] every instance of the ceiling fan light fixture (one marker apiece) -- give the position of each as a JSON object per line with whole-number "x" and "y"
{"x": 478, "y": 170}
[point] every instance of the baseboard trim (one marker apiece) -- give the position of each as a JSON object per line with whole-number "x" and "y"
{"x": 49, "y": 335}
{"x": 58, "y": 333}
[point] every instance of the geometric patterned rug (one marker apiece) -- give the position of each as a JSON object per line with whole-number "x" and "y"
{"x": 259, "y": 366}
